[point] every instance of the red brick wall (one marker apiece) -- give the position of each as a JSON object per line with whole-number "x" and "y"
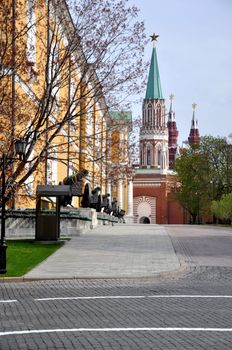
{"x": 158, "y": 192}
{"x": 175, "y": 212}
{"x": 168, "y": 210}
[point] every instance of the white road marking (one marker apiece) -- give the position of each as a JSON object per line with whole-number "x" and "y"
{"x": 137, "y": 297}
{"x": 190, "y": 296}
{"x": 8, "y": 301}
{"x": 97, "y": 297}
{"x": 127, "y": 297}
{"x": 129, "y": 329}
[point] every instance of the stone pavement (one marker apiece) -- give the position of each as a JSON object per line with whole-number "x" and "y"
{"x": 190, "y": 310}
{"x": 123, "y": 250}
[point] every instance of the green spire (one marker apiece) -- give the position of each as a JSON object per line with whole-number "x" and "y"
{"x": 154, "y": 90}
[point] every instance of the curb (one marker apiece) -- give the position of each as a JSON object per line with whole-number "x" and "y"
{"x": 165, "y": 274}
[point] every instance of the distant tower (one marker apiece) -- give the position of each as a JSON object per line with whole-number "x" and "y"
{"x": 154, "y": 132}
{"x": 153, "y": 183}
{"x": 194, "y": 135}
{"x": 172, "y": 134}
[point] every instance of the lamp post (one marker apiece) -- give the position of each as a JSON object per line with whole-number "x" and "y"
{"x": 20, "y": 148}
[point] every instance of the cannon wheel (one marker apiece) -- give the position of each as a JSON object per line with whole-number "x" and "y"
{"x": 86, "y": 196}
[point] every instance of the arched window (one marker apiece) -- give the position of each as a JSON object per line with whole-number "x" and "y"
{"x": 148, "y": 156}
{"x": 145, "y": 115}
{"x": 159, "y": 157}
{"x": 149, "y": 114}
{"x": 158, "y": 115}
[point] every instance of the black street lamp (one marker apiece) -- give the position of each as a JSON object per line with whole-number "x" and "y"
{"x": 20, "y": 149}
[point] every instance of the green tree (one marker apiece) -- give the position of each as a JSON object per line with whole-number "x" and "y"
{"x": 219, "y": 156}
{"x": 222, "y": 209}
{"x": 102, "y": 41}
{"x": 205, "y": 174}
{"x": 193, "y": 172}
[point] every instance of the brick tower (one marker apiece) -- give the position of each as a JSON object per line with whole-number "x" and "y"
{"x": 153, "y": 182}
{"x": 172, "y": 134}
{"x": 154, "y": 132}
{"x": 194, "y": 135}
{"x": 150, "y": 185}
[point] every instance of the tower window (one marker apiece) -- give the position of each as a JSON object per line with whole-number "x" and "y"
{"x": 159, "y": 157}
{"x": 149, "y": 114}
{"x": 159, "y": 116}
{"x": 148, "y": 156}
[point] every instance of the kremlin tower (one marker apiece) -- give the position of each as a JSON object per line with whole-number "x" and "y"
{"x": 172, "y": 134}
{"x": 194, "y": 135}
{"x": 154, "y": 131}
{"x": 154, "y": 182}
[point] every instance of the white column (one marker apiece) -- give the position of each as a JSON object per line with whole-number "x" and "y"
{"x": 164, "y": 157}
{"x": 130, "y": 198}
{"x": 120, "y": 193}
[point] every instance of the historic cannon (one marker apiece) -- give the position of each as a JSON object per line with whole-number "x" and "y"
{"x": 94, "y": 199}
{"x": 116, "y": 211}
{"x": 114, "y": 207}
{"x": 121, "y": 214}
{"x": 86, "y": 198}
{"x": 75, "y": 183}
{"x": 90, "y": 198}
{"x": 106, "y": 204}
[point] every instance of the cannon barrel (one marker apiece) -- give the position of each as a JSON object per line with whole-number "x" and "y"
{"x": 77, "y": 177}
{"x": 75, "y": 183}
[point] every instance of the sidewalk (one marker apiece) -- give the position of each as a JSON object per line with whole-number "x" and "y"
{"x": 112, "y": 252}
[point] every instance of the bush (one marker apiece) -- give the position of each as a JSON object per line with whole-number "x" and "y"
{"x": 222, "y": 209}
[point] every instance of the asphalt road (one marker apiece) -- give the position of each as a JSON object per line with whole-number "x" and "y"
{"x": 202, "y": 245}
{"x": 188, "y": 310}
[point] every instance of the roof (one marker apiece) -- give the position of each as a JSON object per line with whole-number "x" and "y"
{"x": 121, "y": 116}
{"x": 154, "y": 90}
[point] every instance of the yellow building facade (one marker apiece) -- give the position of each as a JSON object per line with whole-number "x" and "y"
{"x": 120, "y": 169}
{"x": 51, "y": 97}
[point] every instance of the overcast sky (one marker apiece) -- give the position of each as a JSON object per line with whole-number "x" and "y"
{"x": 195, "y": 60}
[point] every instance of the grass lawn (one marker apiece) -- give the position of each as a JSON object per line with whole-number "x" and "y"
{"x": 23, "y": 255}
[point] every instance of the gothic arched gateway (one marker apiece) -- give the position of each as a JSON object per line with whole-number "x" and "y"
{"x": 144, "y": 220}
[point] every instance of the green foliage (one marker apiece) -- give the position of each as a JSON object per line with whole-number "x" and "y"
{"x": 219, "y": 156}
{"x": 192, "y": 169}
{"x": 215, "y": 209}
{"x": 222, "y": 209}
{"x": 22, "y": 256}
{"x": 205, "y": 174}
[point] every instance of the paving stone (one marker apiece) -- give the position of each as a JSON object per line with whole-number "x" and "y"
{"x": 106, "y": 252}
{"x": 197, "y": 279}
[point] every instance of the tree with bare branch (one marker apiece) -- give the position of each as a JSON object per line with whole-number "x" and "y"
{"x": 68, "y": 72}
